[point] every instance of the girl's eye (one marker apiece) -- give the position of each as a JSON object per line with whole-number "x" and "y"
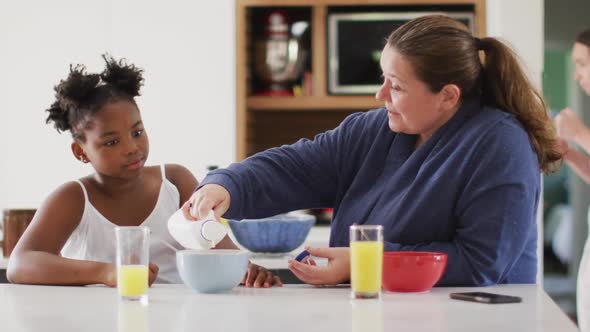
{"x": 396, "y": 88}
{"x": 137, "y": 133}
{"x": 111, "y": 143}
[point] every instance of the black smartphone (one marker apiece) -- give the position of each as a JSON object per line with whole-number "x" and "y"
{"x": 483, "y": 297}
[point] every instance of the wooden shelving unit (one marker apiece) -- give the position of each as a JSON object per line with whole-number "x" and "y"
{"x": 264, "y": 122}
{"x": 256, "y": 103}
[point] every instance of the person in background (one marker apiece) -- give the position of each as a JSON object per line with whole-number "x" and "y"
{"x": 71, "y": 239}
{"x": 450, "y": 164}
{"x": 571, "y": 129}
{"x": 569, "y": 126}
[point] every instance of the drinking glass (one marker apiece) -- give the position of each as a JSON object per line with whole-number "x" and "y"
{"x": 366, "y": 261}
{"x": 133, "y": 262}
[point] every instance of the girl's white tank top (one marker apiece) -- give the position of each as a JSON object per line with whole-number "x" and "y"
{"x": 94, "y": 238}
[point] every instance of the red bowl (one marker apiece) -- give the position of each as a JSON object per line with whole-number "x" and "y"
{"x": 412, "y": 271}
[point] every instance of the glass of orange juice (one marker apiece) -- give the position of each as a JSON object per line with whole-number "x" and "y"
{"x": 133, "y": 243}
{"x": 366, "y": 261}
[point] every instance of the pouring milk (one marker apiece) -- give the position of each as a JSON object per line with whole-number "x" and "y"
{"x": 200, "y": 234}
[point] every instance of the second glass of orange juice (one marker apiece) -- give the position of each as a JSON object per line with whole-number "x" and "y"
{"x": 132, "y": 262}
{"x": 366, "y": 261}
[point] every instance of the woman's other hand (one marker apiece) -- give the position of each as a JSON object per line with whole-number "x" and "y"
{"x": 568, "y": 125}
{"x": 257, "y": 276}
{"x": 209, "y": 197}
{"x": 337, "y": 270}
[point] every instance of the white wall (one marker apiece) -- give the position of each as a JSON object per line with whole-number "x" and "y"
{"x": 188, "y": 102}
{"x": 524, "y": 33}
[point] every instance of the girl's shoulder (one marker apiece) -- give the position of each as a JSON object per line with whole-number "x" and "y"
{"x": 69, "y": 199}
{"x": 170, "y": 170}
{"x": 175, "y": 173}
{"x": 153, "y": 172}
{"x": 70, "y": 192}
{"x": 183, "y": 179}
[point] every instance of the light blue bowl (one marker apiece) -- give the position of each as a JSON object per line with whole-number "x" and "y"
{"x": 212, "y": 271}
{"x": 278, "y": 234}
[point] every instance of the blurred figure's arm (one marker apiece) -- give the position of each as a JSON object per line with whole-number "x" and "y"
{"x": 579, "y": 162}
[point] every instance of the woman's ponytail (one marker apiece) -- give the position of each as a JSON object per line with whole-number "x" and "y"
{"x": 506, "y": 86}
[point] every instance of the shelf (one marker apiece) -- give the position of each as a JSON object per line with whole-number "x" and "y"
{"x": 256, "y": 103}
{"x": 269, "y": 3}
{"x": 263, "y": 122}
{"x": 267, "y": 129}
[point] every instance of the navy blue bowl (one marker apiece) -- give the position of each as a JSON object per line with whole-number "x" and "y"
{"x": 278, "y": 234}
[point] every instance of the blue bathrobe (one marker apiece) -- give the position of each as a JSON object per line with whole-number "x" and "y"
{"x": 471, "y": 190}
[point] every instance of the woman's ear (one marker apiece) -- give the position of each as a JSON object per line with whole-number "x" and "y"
{"x": 451, "y": 95}
{"x": 78, "y": 152}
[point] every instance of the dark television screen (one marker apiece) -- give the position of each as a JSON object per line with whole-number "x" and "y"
{"x": 355, "y": 43}
{"x": 358, "y": 44}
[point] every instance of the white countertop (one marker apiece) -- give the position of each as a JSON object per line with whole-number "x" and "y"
{"x": 290, "y": 308}
{"x": 318, "y": 236}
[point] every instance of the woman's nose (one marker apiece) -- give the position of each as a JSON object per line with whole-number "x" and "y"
{"x": 381, "y": 93}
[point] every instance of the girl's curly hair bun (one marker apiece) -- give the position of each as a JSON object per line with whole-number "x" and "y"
{"x": 70, "y": 94}
{"x": 81, "y": 95}
{"x": 77, "y": 88}
{"x": 125, "y": 77}
{"x": 58, "y": 116}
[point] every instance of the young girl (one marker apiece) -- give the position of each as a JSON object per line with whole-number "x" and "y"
{"x": 71, "y": 239}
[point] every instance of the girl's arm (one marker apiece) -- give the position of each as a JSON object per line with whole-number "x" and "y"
{"x": 36, "y": 258}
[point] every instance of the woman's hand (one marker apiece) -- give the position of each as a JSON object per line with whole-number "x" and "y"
{"x": 257, "y": 277}
{"x": 337, "y": 270}
{"x": 568, "y": 125}
{"x": 209, "y": 197}
{"x": 110, "y": 274}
